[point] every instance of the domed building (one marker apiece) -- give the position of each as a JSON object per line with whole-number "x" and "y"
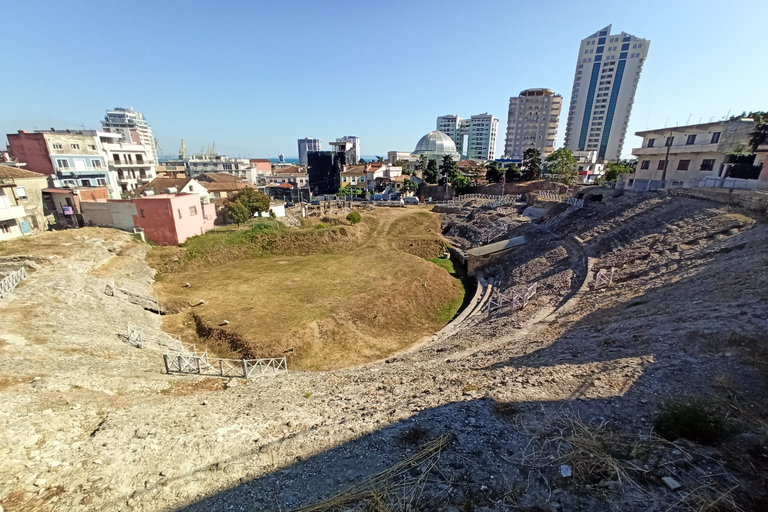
{"x": 436, "y": 145}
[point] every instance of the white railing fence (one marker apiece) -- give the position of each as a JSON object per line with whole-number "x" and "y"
{"x": 12, "y": 280}
{"x": 201, "y": 364}
{"x": 518, "y": 299}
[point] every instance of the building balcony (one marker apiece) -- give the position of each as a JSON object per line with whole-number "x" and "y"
{"x": 80, "y": 170}
{"x": 129, "y": 165}
{"x": 676, "y": 150}
{"x": 12, "y": 212}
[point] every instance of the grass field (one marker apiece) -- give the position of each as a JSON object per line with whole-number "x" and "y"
{"x": 330, "y": 297}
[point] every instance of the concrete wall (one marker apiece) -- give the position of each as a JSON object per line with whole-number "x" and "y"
{"x": 210, "y": 216}
{"x": 31, "y": 148}
{"x": 119, "y": 213}
{"x": 746, "y": 199}
{"x": 169, "y": 220}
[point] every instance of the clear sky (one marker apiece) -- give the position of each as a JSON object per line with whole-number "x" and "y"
{"x": 255, "y": 75}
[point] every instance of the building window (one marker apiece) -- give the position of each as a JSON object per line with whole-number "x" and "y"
{"x": 651, "y": 142}
{"x": 142, "y": 213}
{"x": 179, "y": 212}
{"x": 645, "y": 164}
{"x": 5, "y": 228}
{"x": 92, "y": 147}
{"x": 192, "y": 211}
{"x": 691, "y": 140}
{"x": 670, "y": 140}
{"x": 190, "y": 189}
{"x": 85, "y": 183}
{"x": 715, "y": 138}
{"x": 96, "y": 163}
{"x": 662, "y": 165}
{"x": 75, "y": 146}
{"x": 682, "y": 165}
{"x": 62, "y": 162}
{"x": 57, "y": 146}
{"x": 102, "y": 182}
{"x": 708, "y": 164}
{"x": 21, "y": 193}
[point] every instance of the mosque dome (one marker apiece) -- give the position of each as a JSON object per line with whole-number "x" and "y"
{"x": 436, "y": 144}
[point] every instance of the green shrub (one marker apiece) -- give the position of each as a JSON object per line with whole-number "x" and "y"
{"x": 353, "y": 217}
{"x": 691, "y": 420}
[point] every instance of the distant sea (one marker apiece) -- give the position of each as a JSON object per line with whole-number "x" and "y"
{"x": 295, "y": 161}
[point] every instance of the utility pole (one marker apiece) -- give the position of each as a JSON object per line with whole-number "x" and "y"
{"x": 666, "y": 161}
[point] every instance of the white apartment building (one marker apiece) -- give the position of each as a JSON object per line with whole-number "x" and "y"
{"x": 305, "y": 146}
{"x": 687, "y": 154}
{"x": 134, "y": 129}
{"x": 201, "y": 163}
{"x": 456, "y": 128}
{"x": 131, "y": 163}
{"x": 587, "y": 166}
{"x": 482, "y": 137}
{"x": 354, "y": 156}
{"x": 532, "y": 122}
{"x": 607, "y": 73}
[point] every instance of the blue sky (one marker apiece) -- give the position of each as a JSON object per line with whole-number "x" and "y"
{"x": 254, "y": 76}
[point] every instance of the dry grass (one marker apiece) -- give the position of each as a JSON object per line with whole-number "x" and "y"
{"x": 332, "y": 309}
{"x": 57, "y": 243}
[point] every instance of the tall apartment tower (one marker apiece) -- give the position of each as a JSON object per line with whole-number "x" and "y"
{"x": 456, "y": 128}
{"x": 353, "y": 156}
{"x": 133, "y": 127}
{"x": 305, "y": 146}
{"x": 482, "y": 137}
{"x": 607, "y": 72}
{"x": 532, "y": 122}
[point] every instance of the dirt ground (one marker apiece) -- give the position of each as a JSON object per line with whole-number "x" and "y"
{"x": 547, "y": 408}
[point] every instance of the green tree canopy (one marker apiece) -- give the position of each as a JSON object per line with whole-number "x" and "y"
{"x": 238, "y": 212}
{"x": 562, "y": 163}
{"x": 613, "y": 169}
{"x": 430, "y": 174}
{"x": 531, "y": 164}
{"x": 255, "y": 201}
{"x": 409, "y": 186}
{"x": 512, "y": 173}
{"x": 404, "y": 165}
{"x": 423, "y": 162}
{"x": 460, "y": 183}
{"x": 759, "y": 134}
{"x": 493, "y": 173}
{"x": 448, "y": 170}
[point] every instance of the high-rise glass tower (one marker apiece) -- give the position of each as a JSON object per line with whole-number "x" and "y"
{"x": 607, "y": 72}
{"x": 305, "y": 146}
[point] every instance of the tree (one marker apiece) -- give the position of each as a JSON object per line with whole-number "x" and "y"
{"x": 255, "y": 201}
{"x": 759, "y": 134}
{"x": 362, "y": 161}
{"x": 629, "y": 162}
{"x": 409, "y": 186}
{"x": 448, "y": 170}
{"x": 512, "y": 173}
{"x": 238, "y": 212}
{"x": 531, "y": 164}
{"x": 494, "y": 174}
{"x": 403, "y": 165}
{"x": 613, "y": 169}
{"x": 430, "y": 174}
{"x": 380, "y": 159}
{"x": 423, "y": 161}
{"x": 562, "y": 163}
{"x": 460, "y": 183}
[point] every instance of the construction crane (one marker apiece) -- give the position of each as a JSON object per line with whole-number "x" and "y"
{"x": 183, "y": 150}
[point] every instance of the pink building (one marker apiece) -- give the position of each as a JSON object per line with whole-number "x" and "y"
{"x": 167, "y": 219}
{"x": 262, "y": 165}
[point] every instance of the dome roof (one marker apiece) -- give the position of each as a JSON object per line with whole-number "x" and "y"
{"x": 436, "y": 143}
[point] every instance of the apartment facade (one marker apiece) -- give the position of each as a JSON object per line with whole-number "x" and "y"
{"x": 607, "y": 73}
{"x": 307, "y": 145}
{"x": 21, "y": 202}
{"x": 456, "y": 128}
{"x": 482, "y": 137}
{"x": 71, "y": 159}
{"x": 690, "y": 153}
{"x": 134, "y": 128}
{"x": 353, "y": 154}
{"x": 532, "y": 122}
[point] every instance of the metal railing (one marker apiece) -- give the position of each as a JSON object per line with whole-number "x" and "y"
{"x": 12, "y": 280}
{"x": 201, "y": 364}
{"x": 517, "y": 299}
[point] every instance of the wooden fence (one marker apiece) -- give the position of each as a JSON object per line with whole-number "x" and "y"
{"x": 12, "y": 280}
{"x": 202, "y": 364}
{"x": 517, "y": 299}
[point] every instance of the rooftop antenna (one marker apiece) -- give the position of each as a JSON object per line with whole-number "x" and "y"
{"x": 665, "y": 122}
{"x": 689, "y": 118}
{"x": 728, "y": 114}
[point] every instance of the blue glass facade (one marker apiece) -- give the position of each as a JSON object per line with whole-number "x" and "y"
{"x": 611, "y": 109}
{"x": 588, "y": 107}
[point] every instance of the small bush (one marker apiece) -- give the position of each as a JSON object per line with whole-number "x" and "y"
{"x": 691, "y": 420}
{"x": 353, "y": 217}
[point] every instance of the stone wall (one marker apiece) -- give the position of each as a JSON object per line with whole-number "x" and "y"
{"x": 750, "y": 199}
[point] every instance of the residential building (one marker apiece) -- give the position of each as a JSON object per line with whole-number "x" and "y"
{"x": 306, "y": 146}
{"x": 324, "y": 169}
{"x": 70, "y": 158}
{"x": 134, "y": 129}
{"x": 353, "y": 154}
{"x": 167, "y": 219}
{"x": 588, "y": 167}
{"x": 167, "y": 186}
{"x": 482, "y": 137}
{"x": 201, "y": 163}
{"x": 355, "y": 176}
{"x": 456, "y": 128}
{"x": 607, "y": 73}
{"x": 405, "y": 156}
{"x": 21, "y": 202}
{"x": 262, "y": 166}
{"x": 435, "y": 145}
{"x": 688, "y": 154}
{"x": 532, "y": 122}
{"x": 288, "y": 174}
{"x": 64, "y": 203}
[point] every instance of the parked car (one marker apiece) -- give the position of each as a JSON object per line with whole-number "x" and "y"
{"x": 411, "y": 200}
{"x": 289, "y": 204}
